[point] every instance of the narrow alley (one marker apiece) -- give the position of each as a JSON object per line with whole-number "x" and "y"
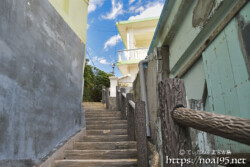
{"x": 125, "y": 83}
{"x": 105, "y": 142}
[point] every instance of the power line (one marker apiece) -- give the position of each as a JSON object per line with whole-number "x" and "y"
{"x": 103, "y": 29}
{"x": 90, "y": 58}
{"x": 102, "y": 26}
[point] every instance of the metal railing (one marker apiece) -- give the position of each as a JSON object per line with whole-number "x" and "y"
{"x": 132, "y": 54}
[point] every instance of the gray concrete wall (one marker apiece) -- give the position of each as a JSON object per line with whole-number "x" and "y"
{"x": 154, "y": 113}
{"x": 151, "y": 78}
{"x": 194, "y": 83}
{"x": 41, "y": 69}
{"x": 16, "y": 163}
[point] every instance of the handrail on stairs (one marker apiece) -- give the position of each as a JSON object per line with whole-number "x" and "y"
{"x": 234, "y": 128}
{"x": 134, "y": 112}
{"x": 176, "y": 119}
{"x": 105, "y": 96}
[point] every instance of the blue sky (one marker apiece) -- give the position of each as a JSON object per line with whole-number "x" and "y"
{"x": 103, "y": 39}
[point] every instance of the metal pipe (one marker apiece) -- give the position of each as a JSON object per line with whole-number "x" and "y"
{"x": 144, "y": 92}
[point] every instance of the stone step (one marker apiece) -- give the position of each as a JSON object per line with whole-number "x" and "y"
{"x": 105, "y": 145}
{"x": 108, "y": 132}
{"x": 102, "y": 118}
{"x": 96, "y": 110}
{"x": 102, "y": 112}
{"x": 106, "y": 126}
{"x": 97, "y": 163}
{"x": 101, "y": 115}
{"x": 105, "y": 138}
{"x": 106, "y": 122}
{"x": 101, "y": 154}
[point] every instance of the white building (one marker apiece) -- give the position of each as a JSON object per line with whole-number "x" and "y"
{"x": 136, "y": 36}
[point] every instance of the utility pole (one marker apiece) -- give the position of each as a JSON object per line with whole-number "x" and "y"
{"x": 113, "y": 66}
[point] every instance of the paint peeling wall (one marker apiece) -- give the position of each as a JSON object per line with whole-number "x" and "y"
{"x": 155, "y": 121}
{"x": 154, "y": 115}
{"x": 194, "y": 81}
{"x": 227, "y": 75}
{"x": 153, "y": 74}
{"x": 41, "y": 69}
{"x": 203, "y": 22}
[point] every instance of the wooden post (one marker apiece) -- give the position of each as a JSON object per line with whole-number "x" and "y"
{"x": 107, "y": 98}
{"x": 130, "y": 117}
{"x": 174, "y": 137}
{"x": 141, "y": 136}
{"x": 118, "y": 107}
{"x": 103, "y": 94}
{"x": 123, "y": 105}
{"x": 237, "y": 129}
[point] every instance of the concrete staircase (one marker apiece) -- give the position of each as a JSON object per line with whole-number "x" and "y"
{"x": 106, "y": 142}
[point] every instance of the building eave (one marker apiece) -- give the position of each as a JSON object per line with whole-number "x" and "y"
{"x": 137, "y": 20}
{"x": 170, "y": 19}
{"x": 127, "y": 62}
{"x": 134, "y": 24}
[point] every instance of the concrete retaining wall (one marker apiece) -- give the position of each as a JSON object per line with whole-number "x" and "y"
{"x": 41, "y": 69}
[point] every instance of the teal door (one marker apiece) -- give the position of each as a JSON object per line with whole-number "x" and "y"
{"x": 227, "y": 76}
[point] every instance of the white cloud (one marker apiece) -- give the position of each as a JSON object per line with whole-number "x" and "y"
{"x": 140, "y": 9}
{"x": 101, "y": 60}
{"x": 152, "y": 10}
{"x": 117, "y": 9}
{"x": 131, "y": 1}
{"x": 88, "y": 26}
{"x": 104, "y": 61}
{"x": 93, "y": 4}
{"x": 112, "y": 41}
{"x": 135, "y": 9}
{"x": 132, "y": 8}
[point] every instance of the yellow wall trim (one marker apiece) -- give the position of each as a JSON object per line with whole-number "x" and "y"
{"x": 75, "y": 13}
